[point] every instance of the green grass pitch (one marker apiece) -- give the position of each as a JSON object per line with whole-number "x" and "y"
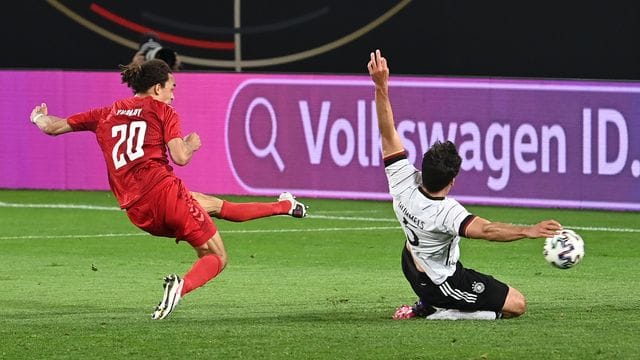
{"x": 77, "y": 280}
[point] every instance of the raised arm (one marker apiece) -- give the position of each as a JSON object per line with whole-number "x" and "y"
{"x": 181, "y": 150}
{"x": 495, "y": 231}
{"x": 49, "y": 124}
{"x": 391, "y": 143}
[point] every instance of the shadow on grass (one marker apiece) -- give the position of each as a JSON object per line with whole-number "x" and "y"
{"x": 41, "y": 310}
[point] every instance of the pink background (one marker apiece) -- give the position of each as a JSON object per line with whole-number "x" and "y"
{"x": 30, "y": 159}
{"x": 332, "y": 155}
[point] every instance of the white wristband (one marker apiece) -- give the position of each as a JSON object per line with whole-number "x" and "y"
{"x": 36, "y": 117}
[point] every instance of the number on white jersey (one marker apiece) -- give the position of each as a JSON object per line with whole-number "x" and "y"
{"x": 412, "y": 237}
{"x": 134, "y": 131}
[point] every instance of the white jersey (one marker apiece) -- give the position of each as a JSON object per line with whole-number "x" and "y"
{"x": 432, "y": 224}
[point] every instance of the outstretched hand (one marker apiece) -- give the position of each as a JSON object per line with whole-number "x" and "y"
{"x": 546, "y": 228}
{"x": 38, "y": 111}
{"x": 378, "y": 69}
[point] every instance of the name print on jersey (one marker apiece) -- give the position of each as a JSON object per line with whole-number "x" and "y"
{"x": 129, "y": 112}
{"x": 417, "y": 222}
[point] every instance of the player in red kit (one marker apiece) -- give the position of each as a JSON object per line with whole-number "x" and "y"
{"x": 134, "y": 134}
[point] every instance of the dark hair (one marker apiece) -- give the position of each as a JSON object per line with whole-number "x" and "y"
{"x": 140, "y": 77}
{"x": 167, "y": 55}
{"x": 440, "y": 165}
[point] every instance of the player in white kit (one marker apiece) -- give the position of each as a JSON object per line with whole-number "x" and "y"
{"x": 434, "y": 223}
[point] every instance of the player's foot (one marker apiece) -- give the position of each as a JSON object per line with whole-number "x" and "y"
{"x": 455, "y": 314}
{"x": 419, "y": 309}
{"x": 423, "y": 310}
{"x": 404, "y": 312}
{"x": 297, "y": 209}
{"x": 170, "y": 298}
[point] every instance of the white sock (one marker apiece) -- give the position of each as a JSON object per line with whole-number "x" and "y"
{"x": 453, "y": 314}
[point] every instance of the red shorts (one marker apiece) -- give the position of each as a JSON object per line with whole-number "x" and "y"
{"x": 169, "y": 210}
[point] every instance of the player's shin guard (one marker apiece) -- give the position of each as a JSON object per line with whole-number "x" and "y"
{"x": 205, "y": 269}
{"x": 240, "y": 212}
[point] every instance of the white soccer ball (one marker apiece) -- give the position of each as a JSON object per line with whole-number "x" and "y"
{"x": 564, "y": 250}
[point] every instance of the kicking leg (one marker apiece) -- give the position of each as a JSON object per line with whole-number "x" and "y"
{"x": 211, "y": 204}
{"x": 239, "y": 212}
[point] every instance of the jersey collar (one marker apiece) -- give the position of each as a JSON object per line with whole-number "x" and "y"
{"x": 426, "y": 194}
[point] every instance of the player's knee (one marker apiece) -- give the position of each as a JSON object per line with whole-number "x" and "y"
{"x": 515, "y": 305}
{"x": 212, "y": 251}
{"x": 221, "y": 255}
{"x": 223, "y": 260}
{"x": 519, "y": 306}
{"x": 212, "y": 205}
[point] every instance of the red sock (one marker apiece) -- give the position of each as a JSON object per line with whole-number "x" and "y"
{"x": 205, "y": 269}
{"x": 253, "y": 210}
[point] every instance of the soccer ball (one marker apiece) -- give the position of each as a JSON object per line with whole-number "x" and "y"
{"x": 564, "y": 250}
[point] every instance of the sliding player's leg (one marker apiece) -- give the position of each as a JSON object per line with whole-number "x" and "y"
{"x": 467, "y": 294}
{"x": 515, "y": 304}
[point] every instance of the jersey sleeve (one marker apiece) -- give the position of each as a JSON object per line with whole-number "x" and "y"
{"x": 400, "y": 173}
{"x": 455, "y": 217}
{"x": 87, "y": 120}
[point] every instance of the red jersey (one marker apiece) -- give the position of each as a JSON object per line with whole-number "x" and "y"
{"x": 132, "y": 134}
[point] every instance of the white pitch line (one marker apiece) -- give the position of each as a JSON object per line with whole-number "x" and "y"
{"x": 113, "y": 208}
{"x": 348, "y": 212}
{"x": 351, "y": 218}
{"x": 595, "y": 228}
{"x": 257, "y": 231}
{"x": 311, "y": 216}
{"x": 264, "y": 231}
{"x": 69, "y": 236}
{"x": 604, "y": 229}
{"x": 369, "y": 228}
{"x": 59, "y": 206}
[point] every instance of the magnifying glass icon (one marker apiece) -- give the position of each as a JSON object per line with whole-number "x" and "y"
{"x": 270, "y": 149}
